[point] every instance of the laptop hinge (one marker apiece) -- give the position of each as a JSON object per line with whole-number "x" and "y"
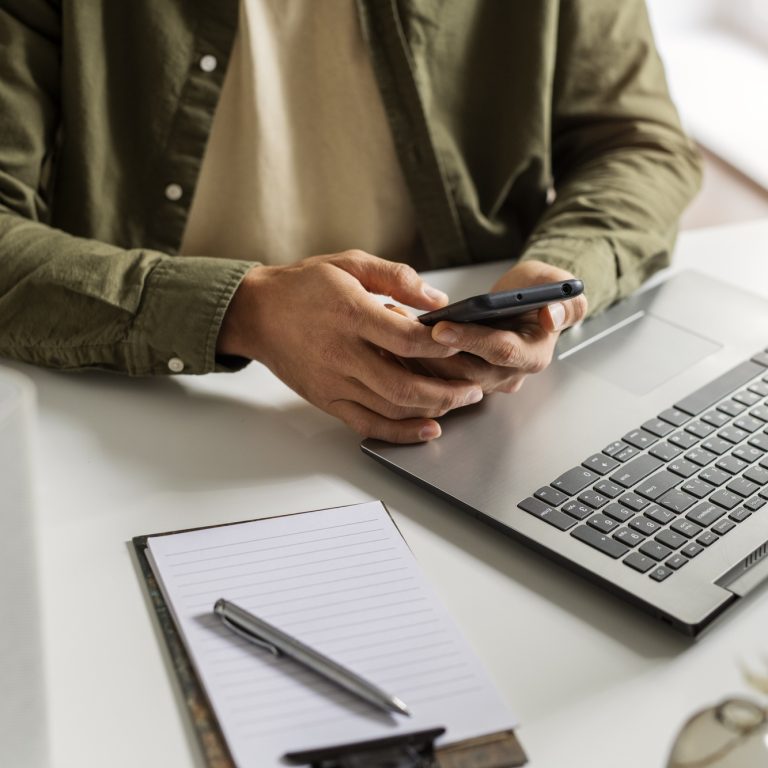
{"x": 749, "y": 573}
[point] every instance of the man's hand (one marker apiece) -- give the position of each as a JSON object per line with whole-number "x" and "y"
{"x": 499, "y": 360}
{"x": 316, "y": 325}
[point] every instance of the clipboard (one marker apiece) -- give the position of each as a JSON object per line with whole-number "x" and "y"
{"x": 410, "y": 750}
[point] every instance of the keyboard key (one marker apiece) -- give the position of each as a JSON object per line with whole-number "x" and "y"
{"x": 715, "y": 418}
{"x": 640, "y": 438}
{"x": 545, "y": 512}
{"x": 714, "y": 476}
{"x": 759, "y": 441}
{"x": 761, "y": 412}
{"x": 607, "y": 488}
{"x": 698, "y": 488}
{"x": 721, "y": 527}
{"x": 629, "y": 537}
{"x": 683, "y": 467}
{"x": 683, "y": 439}
{"x": 700, "y": 456}
{"x": 761, "y": 358}
{"x": 676, "y": 561}
{"x": 665, "y": 451}
{"x": 748, "y": 424}
{"x": 677, "y": 501}
{"x": 633, "y": 501}
{"x": 639, "y": 562}
{"x": 746, "y": 397}
{"x": 742, "y": 487}
{"x": 692, "y": 549}
{"x": 755, "y": 503}
{"x": 627, "y": 453}
{"x": 605, "y": 544}
{"x": 707, "y": 538}
{"x": 759, "y": 388}
{"x": 747, "y": 453}
{"x": 700, "y": 429}
{"x": 600, "y": 463}
{"x": 757, "y": 475}
{"x": 603, "y": 523}
{"x": 659, "y": 514}
{"x": 686, "y": 528}
{"x": 658, "y": 427}
{"x": 655, "y": 550}
{"x": 657, "y": 484}
{"x": 740, "y": 514}
{"x": 731, "y": 463}
{"x": 619, "y": 512}
{"x": 725, "y": 499}
{"x": 616, "y": 447}
{"x": 660, "y": 573}
{"x": 705, "y": 514}
{"x": 732, "y": 434}
{"x": 551, "y": 496}
{"x": 592, "y": 499}
{"x": 574, "y": 480}
{"x": 716, "y": 445}
{"x": 673, "y": 416}
{"x": 579, "y": 511}
{"x": 732, "y": 407}
{"x": 715, "y": 390}
{"x": 671, "y": 539}
{"x": 644, "y": 525}
{"x": 634, "y": 471}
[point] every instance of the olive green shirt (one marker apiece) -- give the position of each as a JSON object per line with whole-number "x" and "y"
{"x": 524, "y": 129}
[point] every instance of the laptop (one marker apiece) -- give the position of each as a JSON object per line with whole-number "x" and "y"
{"x": 639, "y": 458}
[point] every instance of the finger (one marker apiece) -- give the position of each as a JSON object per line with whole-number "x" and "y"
{"x": 503, "y": 348}
{"x": 391, "y": 278}
{"x": 563, "y": 314}
{"x": 369, "y": 424}
{"x": 492, "y": 378}
{"x": 357, "y": 392}
{"x": 391, "y": 381}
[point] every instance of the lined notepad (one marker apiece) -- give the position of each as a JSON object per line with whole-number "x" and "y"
{"x": 343, "y": 581}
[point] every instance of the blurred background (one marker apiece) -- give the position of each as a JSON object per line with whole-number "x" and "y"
{"x": 716, "y": 56}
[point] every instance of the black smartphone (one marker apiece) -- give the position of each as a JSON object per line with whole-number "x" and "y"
{"x": 491, "y": 308}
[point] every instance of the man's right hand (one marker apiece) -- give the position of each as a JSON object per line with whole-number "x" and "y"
{"x": 316, "y": 325}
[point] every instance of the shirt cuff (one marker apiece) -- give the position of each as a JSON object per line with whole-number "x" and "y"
{"x": 177, "y": 326}
{"x": 591, "y": 260}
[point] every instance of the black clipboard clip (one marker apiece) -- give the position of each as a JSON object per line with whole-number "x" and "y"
{"x": 408, "y": 750}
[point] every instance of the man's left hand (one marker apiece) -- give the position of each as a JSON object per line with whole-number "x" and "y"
{"x": 500, "y": 359}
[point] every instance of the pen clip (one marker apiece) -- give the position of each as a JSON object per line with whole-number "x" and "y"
{"x": 251, "y": 638}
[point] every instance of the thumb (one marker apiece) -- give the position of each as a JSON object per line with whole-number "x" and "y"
{"x": 563, "y": 314}
{"x": 391, "y": 278}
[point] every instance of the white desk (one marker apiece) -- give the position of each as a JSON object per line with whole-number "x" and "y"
{"x": 595, "y": 683}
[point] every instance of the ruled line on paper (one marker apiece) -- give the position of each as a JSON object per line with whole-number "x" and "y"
{"x": 344, "y": 582}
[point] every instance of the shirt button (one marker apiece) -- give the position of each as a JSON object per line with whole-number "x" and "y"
{"x": 174, "y": 192}
{"x": 176, "y": 365}
{"x": 208, "y": 63}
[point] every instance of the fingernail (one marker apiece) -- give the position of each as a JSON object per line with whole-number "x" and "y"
{"x": 447, "y": 336}
{"x": 475, "y": 396}
{"x": 429, "y": 432}
{"x": 557, "y": 315}
{"x": 433, "y": 293}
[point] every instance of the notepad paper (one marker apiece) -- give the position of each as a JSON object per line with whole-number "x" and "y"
{"x": 343, "y": 581}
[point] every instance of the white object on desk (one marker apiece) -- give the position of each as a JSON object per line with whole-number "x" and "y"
{"x": 344, "y": 581}
{"x": 22, "y": 704}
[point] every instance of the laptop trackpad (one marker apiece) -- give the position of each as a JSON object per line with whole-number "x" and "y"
{"x": 640, "y": 355}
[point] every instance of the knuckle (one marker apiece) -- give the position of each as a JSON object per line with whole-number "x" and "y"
{"x": 404, "y": 273}
{"x": 401, "y": 391}
{"x": 508, "y": 354}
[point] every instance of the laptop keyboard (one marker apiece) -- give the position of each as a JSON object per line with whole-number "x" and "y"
{"x": 676, "y": 485}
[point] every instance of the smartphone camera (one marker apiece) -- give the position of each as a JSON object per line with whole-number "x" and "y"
{"x": 566, "y": 289}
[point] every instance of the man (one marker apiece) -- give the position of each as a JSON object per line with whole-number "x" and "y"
{"x": 432, "y": 133}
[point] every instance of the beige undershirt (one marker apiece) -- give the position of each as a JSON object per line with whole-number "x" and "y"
{"x": 300, "y": 160}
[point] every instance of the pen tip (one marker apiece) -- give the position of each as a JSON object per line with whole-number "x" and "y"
{"x": 399, "y": 706}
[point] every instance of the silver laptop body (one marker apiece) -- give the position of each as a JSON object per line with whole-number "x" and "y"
{"x": 609, "y": 377}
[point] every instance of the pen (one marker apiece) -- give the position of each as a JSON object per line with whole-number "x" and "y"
{"x": 277, "y": 642}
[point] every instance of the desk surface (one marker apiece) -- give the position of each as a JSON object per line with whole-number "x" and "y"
{"x": 593, "y": 681}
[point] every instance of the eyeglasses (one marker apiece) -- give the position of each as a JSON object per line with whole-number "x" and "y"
{"x": 732, "y": 734}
